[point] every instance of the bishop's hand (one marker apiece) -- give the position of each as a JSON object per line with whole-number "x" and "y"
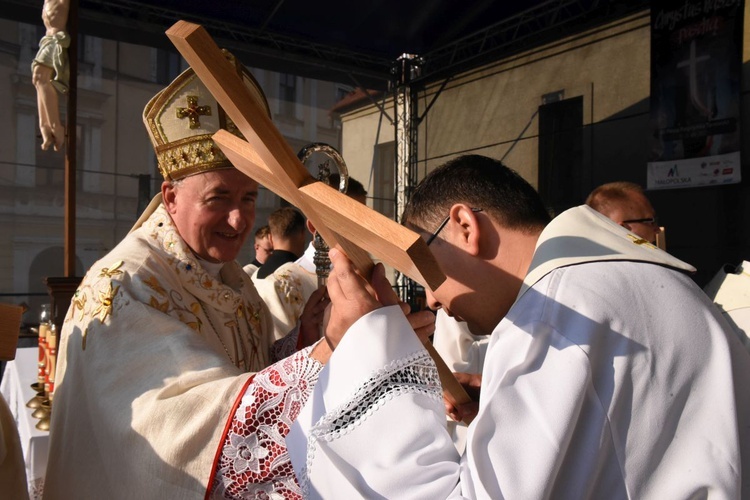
{"x": 311, "y": 320}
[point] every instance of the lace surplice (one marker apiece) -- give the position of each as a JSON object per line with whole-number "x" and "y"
{"x": 253, "y": 461}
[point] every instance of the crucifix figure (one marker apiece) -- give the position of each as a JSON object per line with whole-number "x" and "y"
{"x": 50, "y": 72}
{"x": 266, "y": 156}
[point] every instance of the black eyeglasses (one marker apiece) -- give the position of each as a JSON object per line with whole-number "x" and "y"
{"x": 442, "y": 225}
{"x": 651, "y": 220}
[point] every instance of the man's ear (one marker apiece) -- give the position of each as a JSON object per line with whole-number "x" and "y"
{"x": 468, "y": 230}
{"x": 310, "y": 226}
{"x": 168, "y": 196}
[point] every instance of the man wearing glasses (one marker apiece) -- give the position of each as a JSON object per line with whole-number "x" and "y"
{"x": 608, "y": 373}
{"x": 626, "y": 204}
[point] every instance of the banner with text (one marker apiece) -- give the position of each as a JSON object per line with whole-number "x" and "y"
{"x": 696, "y": 63}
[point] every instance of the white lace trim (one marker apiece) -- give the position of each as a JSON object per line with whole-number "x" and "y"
{"x": 414, "y": 374}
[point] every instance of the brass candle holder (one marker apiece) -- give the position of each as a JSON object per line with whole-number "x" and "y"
{"x": 36, "y": 401}
{"x": 42, "y": 410}
{"x": 46, "y": 412}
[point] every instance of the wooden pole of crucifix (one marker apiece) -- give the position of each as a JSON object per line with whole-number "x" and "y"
{"x": 266, "y": 157}
{"x": 70, "y": 146}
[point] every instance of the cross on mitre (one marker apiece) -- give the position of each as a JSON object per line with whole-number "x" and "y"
{"x": 193, "y": 112}
{"x": 266, "y": 157}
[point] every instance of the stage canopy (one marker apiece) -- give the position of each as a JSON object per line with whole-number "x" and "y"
{"x": 357, "y": 43}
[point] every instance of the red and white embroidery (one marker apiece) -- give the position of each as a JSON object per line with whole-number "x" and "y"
{"x": 254, "y": 462}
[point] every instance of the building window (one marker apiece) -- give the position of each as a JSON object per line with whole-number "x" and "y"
{"x": 384, "y": 180}
{"x": 167, "y": 66}
{"x": 50, "y": 168}
{"x": 287, "y": 94}
{"x": 90, "y": 56}
{"x": 561, "y": 154}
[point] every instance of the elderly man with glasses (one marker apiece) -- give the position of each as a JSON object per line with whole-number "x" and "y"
{"x": 626, "y": 204}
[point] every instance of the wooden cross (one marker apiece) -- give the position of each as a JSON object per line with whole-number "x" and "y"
{"x": 266, "y": 157}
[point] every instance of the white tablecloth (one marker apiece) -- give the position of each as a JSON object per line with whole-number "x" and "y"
{"x": 16, "y": 389}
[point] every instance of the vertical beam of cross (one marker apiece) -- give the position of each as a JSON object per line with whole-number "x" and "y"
{"x": 266, "y": 157}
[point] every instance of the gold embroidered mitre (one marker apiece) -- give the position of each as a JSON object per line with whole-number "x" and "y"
{"x": 181, "y": 120}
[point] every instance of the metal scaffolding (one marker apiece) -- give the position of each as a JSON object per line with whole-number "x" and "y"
{"x": 144, "y": 22}
{"x": 235, "y": 37}
{"x": 406, "y": 69}
{"x": 412, "y": 73}
{"x": 532, "y": 27}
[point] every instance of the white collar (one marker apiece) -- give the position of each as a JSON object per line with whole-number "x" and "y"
{"x": 581, "y": 235}
{"x": 212, "y": 268}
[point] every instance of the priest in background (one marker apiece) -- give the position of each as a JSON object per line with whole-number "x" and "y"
{"x": 286, "y": 226}
{"x": 263, "y": 249}
{"x": 288, "y": 290}
{"x": 627, "y": 205}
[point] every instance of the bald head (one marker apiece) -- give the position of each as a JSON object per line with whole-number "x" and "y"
{"x": 626, "y": 204}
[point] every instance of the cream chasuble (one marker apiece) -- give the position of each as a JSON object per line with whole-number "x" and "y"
{"x": 285, "y": 292}
{"x": 154, "y": 394}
